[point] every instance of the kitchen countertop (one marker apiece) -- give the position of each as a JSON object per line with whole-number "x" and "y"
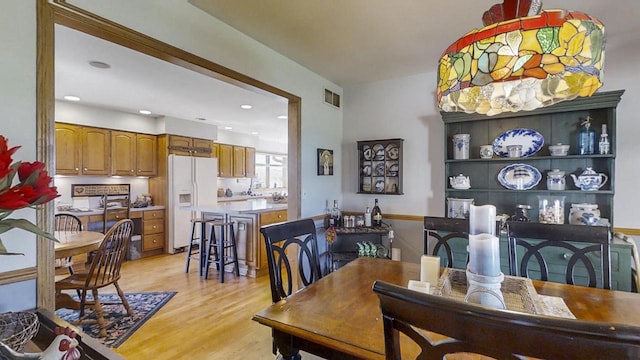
{"x": 253, "y": 206}
{"x": 101, "y": 211}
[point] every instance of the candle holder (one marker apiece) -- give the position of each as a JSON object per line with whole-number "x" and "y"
{"x": 485, "y": 290}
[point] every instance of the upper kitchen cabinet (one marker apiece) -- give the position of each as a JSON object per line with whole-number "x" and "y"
{"x": 188, "y": 146}
{"x": 146, "y": 155}
{"x": 239, "y": 161}
{"x": 95, "y": 151}
{"x": 235, "y": 161}
{"x": 225, "y": 160}
{"x": 67, "y": 138}
{"x": 81, "y": 150}
{"x": 250, "y": 162}
{"x": 133, "y": 154}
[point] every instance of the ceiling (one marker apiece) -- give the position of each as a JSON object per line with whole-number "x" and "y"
{"x": 357, "y": 41}
{"x": 348, "y": 42}
{"x": 137, "y": 81}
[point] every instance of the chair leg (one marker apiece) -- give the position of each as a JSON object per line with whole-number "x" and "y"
{"x": 123, "y": 298}
{"x": 235, "y": 250}
{"x": 99, "y": 314}
{"x": 221, "y": 253}
{"x": 212, "y": 242}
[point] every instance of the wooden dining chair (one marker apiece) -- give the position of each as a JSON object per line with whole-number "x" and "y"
{"x": 500, "y": 334}
{"x": 446, "y": 232}
{"x": 292, "y": 256}
{"x": 66, "y": 222}
{"x": 104, "y": 271}
{"x": 581, "y": 253}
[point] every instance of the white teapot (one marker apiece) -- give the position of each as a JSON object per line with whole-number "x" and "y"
{"x": 589, "y": 180}
{"x": 460, "y": 182}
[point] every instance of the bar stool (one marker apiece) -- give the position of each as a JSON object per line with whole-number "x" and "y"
{"x": 218, "y": 248}
{"x": 197, "y": 245}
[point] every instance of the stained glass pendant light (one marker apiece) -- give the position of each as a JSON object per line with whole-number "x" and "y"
{"x": 523, "y": 59}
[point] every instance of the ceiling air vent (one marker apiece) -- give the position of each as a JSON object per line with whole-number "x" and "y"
{"x": 331, "y": 98}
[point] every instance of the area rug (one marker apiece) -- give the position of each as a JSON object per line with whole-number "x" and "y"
{"x": 120, "y": 325}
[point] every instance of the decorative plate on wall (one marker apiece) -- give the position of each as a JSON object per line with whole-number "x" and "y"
{"x": 530, "y": 140}
{"x": 519, "y": 177}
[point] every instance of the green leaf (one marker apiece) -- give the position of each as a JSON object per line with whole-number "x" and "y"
{"x": 24, "y": 224}
{"x": 3, "y": 250}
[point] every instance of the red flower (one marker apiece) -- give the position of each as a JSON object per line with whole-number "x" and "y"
{"x": 5, "y": 157}
{"x": 32, "y": 189}
{"x": 16, "y": 197}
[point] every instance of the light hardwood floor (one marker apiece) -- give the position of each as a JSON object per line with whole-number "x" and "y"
{"x": 204, "y": 320}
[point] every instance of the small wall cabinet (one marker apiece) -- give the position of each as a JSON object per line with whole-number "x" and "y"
{"x": 380, "y": 166}
{"x": 82, "y": 150}
{"x": 557, "y": 124}
{"x": 188, "y": 146}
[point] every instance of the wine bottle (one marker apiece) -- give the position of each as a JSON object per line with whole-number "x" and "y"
{"x": 376, "y": 214}
{"x": 335, "y": 220}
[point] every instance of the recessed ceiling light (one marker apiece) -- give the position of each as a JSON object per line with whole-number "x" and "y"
{"x": 254, "y": 133}
{"x": 227, "y": 128}
{"x": 282, "y": 117}
{"x": 145, "y": 112}
{"x": 246, "y": 106}
{"x": 71, "y": 98}
{"x": 99, "y": 64}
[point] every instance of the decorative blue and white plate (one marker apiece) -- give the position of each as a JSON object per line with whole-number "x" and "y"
{"x": 519, "y": 177}
{"x": 530, "y": 140}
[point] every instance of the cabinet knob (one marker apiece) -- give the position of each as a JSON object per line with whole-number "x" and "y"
{"x": 85, "y": 169}
{"x": 279, "y": 216}
{"x": 566, "y": 256}
{"x": 131, "y": 170}
{"x": 155, "y": 241}
{"x": 77, "y": 169}
{"x": 155, "y": 227}
{"x": 154, "y": 215}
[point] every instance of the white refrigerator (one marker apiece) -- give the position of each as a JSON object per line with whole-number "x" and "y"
{"x": 193, "y": 181}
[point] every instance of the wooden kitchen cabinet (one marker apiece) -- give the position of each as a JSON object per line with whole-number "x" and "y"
{"x": 152, "y": 232}
{"x": 239, "y": 161}
{"x": 260, "y": 252}
{"x": 82, "y": 150}
{"x": 95, "y": 151}
{"x": 146, "y": 155}
{"x": 133, "y": 154}
{"x": 123, "y": 153}
{"x": 188, "y": 146}
{"x": 250, "y": 162}
{"x": 68, "y": 142}
{"x": 225, "y": 160}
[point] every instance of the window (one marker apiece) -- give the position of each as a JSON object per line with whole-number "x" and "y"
{"x": 271, "y": 171}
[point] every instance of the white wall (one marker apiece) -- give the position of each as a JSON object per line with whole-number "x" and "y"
{"x": 185, "y": 26}
{"x": 18, "y": 125}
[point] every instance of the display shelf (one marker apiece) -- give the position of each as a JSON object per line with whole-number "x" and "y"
{"x": 557, "y": 124}
{"x": 380, "y": 166}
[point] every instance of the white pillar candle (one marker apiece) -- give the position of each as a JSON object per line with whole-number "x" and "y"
{"x": 484, "y": 255}
{"x": 430, "y": 269}
{"x": 396, "y": 254}
{"x": 482, "y": 220}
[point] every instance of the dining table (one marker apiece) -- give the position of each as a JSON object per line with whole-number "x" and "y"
{"x": 72, "y": 243}
{"x": 339, "y": 316}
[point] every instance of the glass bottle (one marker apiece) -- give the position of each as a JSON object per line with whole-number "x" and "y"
{"x": 603, "y": 145}
{"x": 376, "y": 214}
{"x": 367, "y": 217}
{"x": 586, "y": 138}
{"x": 327, "y": 214}
{"x": 335, "y": 220}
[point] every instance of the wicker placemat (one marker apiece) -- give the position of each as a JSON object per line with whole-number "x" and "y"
{"x": 519, "y": 293}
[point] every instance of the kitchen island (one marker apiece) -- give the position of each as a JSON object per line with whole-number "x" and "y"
{"x": 249, "y": 216}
